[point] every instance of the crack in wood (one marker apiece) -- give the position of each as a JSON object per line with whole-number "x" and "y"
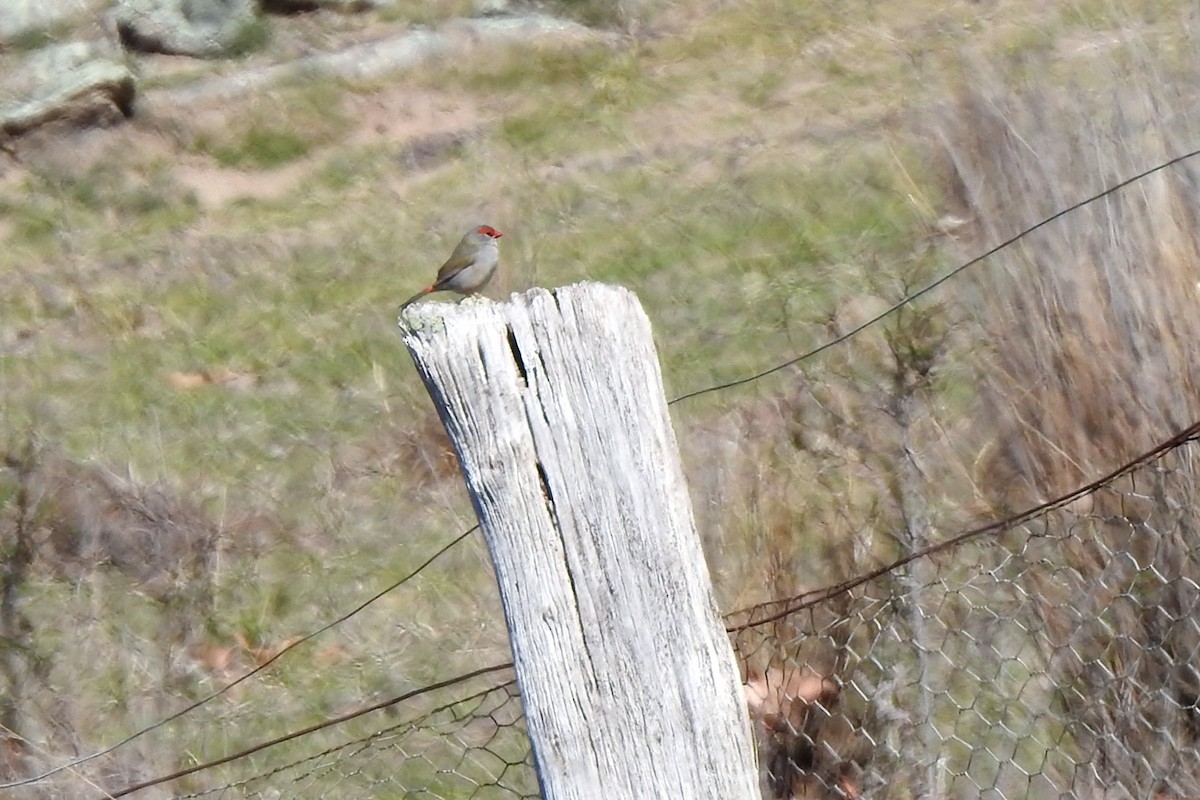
{"x": 517, "y": 359}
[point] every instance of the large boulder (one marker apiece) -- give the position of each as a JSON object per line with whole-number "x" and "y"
{"x": 201, "y": 28}
{"x": 78, "y": 81}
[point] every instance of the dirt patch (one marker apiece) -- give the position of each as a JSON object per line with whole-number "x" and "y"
{"x": 65, "y": 149}
{"x": 215, "y": 186}
{"x": 407, "y": 115}
{"x": 424, "y": 125}
{"x": 420, "y": 123}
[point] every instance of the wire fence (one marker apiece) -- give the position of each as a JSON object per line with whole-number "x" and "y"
{"x": 470, "y": 746}
{"x": 1053, "y": 654}
{"x": 1047, "y": 656}
{"x": 1053, "y": 658}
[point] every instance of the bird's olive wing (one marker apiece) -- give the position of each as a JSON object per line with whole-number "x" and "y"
{"x": 461, "y": 258}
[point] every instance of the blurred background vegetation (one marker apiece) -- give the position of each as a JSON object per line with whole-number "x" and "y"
{"x": 214, "y": 442}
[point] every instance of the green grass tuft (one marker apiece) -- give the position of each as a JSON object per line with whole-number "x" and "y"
{"x": 263, "y": 148}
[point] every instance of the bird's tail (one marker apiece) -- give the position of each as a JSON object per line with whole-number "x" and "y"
{"x": 416, "y": 297}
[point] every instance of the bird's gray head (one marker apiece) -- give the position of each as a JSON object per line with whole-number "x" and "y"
{"x": 485, "y": 234}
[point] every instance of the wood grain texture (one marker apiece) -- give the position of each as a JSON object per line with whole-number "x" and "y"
{"x": 554, "y": 402}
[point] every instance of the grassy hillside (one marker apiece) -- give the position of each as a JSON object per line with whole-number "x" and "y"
{"x": 201, "y": 305}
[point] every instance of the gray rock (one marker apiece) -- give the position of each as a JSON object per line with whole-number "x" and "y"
{"x": 373, "y": 59}
{"x": 76, "y": 81}
{"x": 341, "y": 6}
{"x": 493, "y": 8}
{"x": 22, "y": 16}
{"x": 201, "y": 28}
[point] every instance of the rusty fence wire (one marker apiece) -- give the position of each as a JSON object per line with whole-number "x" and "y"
{"x": 1059, "y": 657}
{"x": 1056, "y": 654}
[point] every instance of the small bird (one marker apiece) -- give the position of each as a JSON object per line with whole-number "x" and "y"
{"x": 470, "y": 266}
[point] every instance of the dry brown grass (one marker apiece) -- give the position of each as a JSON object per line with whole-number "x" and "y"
{"x": 1087, "y": 359}
{"x": 1090, "y": 321}
{"x": 732, "y": 163}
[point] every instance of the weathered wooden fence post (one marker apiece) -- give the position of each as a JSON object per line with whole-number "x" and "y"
{"x": 555, "y": 405}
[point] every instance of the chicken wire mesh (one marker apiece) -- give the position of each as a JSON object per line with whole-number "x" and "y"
{"x": 471, "y": 746}
{"x": 1053, "y": 656}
